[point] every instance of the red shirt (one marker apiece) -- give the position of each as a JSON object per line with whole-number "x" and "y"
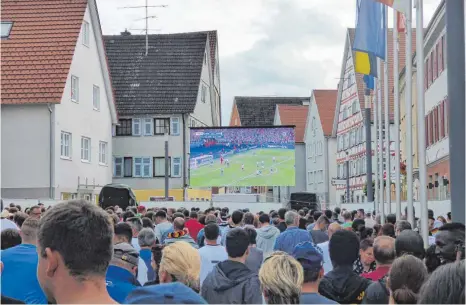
{"x": 194, "y": 227}
{"x": 377, "y": 274}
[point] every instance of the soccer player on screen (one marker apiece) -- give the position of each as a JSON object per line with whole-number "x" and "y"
{"x": 221, "y": 160}
{"x": 242, "y": 167}
{"x": 273, "y": 159}
{"x": 221, "y": 171}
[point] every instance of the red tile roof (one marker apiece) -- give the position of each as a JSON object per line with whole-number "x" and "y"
{"x": 36, "y": 58}
{"x": 294, "y": 115}
{"x": 326, "y": 101}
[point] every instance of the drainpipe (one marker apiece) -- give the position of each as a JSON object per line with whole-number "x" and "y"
{"x": 185, "y": 184}
{"x": 52, "y": 151}
{"x": 326, "y": 173}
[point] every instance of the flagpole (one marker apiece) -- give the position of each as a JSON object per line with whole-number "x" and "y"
{"x": 397, "y": 115}
{"x": 409, "y": 114}
{"x": 376, "y": 145}
{"x": 421, "y": 126}
{"x": 380, "y": 144}
{"x": 387, "y": 118}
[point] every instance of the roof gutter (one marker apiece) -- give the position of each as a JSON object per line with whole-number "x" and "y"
{"x": 185, "y": 163}
{"x": 51, "y": 108}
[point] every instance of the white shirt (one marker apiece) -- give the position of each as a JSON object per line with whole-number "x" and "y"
{"x": 327, "y": 262}
{"x": 142, "y": 268}
{"x": 8, "y": 224}
{"x": 210, "y": 256}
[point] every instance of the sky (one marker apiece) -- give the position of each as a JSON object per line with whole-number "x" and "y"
{"x": 266, "y": 47}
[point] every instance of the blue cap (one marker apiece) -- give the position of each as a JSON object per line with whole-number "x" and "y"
{"x": 308, "y": 255}
{"x": 171, "y": 293}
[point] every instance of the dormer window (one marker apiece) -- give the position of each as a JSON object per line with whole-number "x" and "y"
{"x": 6, "y": 28}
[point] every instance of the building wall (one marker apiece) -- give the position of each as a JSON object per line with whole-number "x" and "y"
{"x": 25, "y": 163}
{"x": 203, "y": 110}
{"x": 177, "y": 194}
{"x": 403, "y": 125}
{"x": 80, "y": 119}
{"x": 235, "y": 120}
{"x": 332, "y": 168}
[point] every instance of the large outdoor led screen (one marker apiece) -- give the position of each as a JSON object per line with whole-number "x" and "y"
{"x": 237, "y": 156}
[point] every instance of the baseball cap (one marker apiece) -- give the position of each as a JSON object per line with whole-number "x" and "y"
{"x": 171, "y": 293}
{"x": 141, "y": 208}
{"x": 126, "y": 252}
{"x": 308, "y": 255}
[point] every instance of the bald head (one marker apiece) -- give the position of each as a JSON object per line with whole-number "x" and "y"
{"x": 384, "y": 250}
{"x": 332, "y": 228}
{"x": 178, "y": 224}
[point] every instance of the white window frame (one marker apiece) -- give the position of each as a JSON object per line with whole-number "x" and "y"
{"x": 96, "y": 97}
{"x": 148, "y": 122}
{"x": 103, "y": 152}
{"x": 176, "y": 161}
{"x": 203, "y": 93}
{"x": 117, "y": 161}
{"x": 83, "y": 149}
{"x": 135, "y": 164}
{"x": 74, "y": 89}
{"x": 175, "y": 126}
{"x": 64, "y": 145}
{"x": 147, "y": 163}
{"x": 137, "y": 122}
{"x": 86, "y": 33}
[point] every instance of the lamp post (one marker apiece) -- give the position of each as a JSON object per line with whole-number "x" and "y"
{"x": 347, "y": 178}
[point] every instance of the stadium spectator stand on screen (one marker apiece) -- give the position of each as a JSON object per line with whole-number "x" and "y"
{"x": 242, "y": 156}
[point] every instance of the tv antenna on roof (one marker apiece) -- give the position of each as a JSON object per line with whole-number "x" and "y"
{"x": 146, "y": 7}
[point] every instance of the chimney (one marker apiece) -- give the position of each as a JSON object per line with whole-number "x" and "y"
{"x": 125, "y": 33}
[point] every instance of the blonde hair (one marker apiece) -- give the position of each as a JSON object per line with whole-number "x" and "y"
{"x": 281, "y": 278}
{"x": 183, "y": 262}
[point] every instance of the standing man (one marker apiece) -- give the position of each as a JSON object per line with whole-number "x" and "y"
{"x": 281, "y": 216}
{"x": 163, "y": 226}
{"x": 35, "y": 212}
{"x": 266, "y": 235}
{"x": 293, "y": 235}
{"x": 332, "y": 228}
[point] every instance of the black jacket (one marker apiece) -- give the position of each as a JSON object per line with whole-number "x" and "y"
{"x": 231, "y": 283}
{"x": 344, "y": 286}
{"x": 377, "y": 293}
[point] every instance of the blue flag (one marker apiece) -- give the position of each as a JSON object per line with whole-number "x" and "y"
{"x": 370, "y": 29}
{"x": 369, "y": 81}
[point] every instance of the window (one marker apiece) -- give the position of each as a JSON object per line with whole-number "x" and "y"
{"x": 203, "y": 93}
{"x": 159, "y": 166}
{"x": 434, "y": 65}
{"x": 205, "y": 58}
{"x": 441, "y": 124}
{"x": 124, "y": 127}
{"x": 6, "y": 29}
{"x": 136, "y": 127}
{"x": 85, "y": 149}
{"x": 137, "y": 171}
{"x": 176, "y": 167}
{"x": 439, "y": 56}
{"x": 65, "y": 145}
{"x": 96, "y": 97}
{"x": 128, "y": 167}
{"x": 147, "y": 167}
{"x": 446, "y": 110}
{"x": 353, "y": 108}
{"x": 429, "y": 69}
{"x": 102, "y": 152}
{"x": 162, "y": 126}
{"x": 435, "y": 124}
{"x": 426, "y": 74}
{"x": 444, "y": 51}
{"x": 74, "y": 89}
{"x": 148, "y": 127}
{"x": 86, "y": 33}
{"x": 117, "y": 167}
{"x": 347, "y": 140}
{"x": 176, "y": 126}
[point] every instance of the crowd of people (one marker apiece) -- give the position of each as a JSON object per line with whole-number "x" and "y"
{"x": 76, "y": 252}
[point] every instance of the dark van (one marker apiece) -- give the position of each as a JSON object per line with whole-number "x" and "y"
{"x": 301, "y": 200}
{"x": 117, "y": 194}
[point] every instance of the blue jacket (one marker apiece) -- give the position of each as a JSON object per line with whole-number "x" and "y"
{"x": 288, "y": 239}
{"x": 146, "y": 256}
{"x": 19, "y": 276}
{"x": 120, "y": 283}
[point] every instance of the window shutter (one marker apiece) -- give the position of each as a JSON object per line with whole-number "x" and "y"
{"x": 429, "y": 69}
{"x": 444, "y": 51}
{"x": 427, "y": 130}
{"x": 431, "y": 128}
{"x": 434, "y": 64}
{"x": 447, "y": 113}
{"x": 426, "y": 75}
{"x": 435, "y": 124}
{"x": 441, "y": 123}
{"x": 440, "y": 56}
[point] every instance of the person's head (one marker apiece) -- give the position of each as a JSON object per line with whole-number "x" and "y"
{"x": 35, "y": 211}
{"x": 451, "y": 291}
{"x": 449, "y": 217}
{"x": 332, "y": 228}
{"x": 180, "y": 263}
{"x": 264, "y": 220}
{"x": 136, "y": 225}
{"x": 122, "y": 233}
{"x": 248, "y": 218}
{"x": 237, "y": 217}
{"x": 449, "y": 240}
{"x": 19, "y": 218}
{"x": 237, "y": 244}
{"x": 431, "y": 260}
{"x": 316, "y": 215}
{"x": 281, "y": 213}
{"x": 384, "y": 250}
{"x": 147, "y": 223}
{"x": 252, "y": 235}
{"x": 347, "y": 216}
{"x": 343, "y": 248}
{"x": 141, "y": 209}
{"x": 409, "y": 242}
{"x": 353, "y": 214}
{"x": 337, "y": 210}
{"x": 311, "y": 260}
{"x": 127, "y": 215}
{"x": 430, "y": 213}
{"x": 366, "y": 251}
{"x": 322, "y": 223}
{"x": 150, "y": 214}
{"x": 10, "y": 238}
{"x": 291, "y": 219}
{"x": 160, "y": 216}
{"x": 360, "y": 214}
{"x": 146, "y": 238}
{"x": 328, "y": 214}
{"x": 74, "y": 245}
{"x": 178, "y": 224}
{"x": 210, "y": 219}
{"x": 193, "y": 215}
{"x": 211, "y": 232}
{"x": 442, "y": 219}
{"x": 281, "y": 277}
{"x": 185, "y": 213}
{"x": 402, "y": 225}
{"x": 391, "y": 218}
{"x": 388, "y": 230}
{"x": 126, "y": 257}
{"x": 405, "y": 279}
{"x": 29, "y": 231}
